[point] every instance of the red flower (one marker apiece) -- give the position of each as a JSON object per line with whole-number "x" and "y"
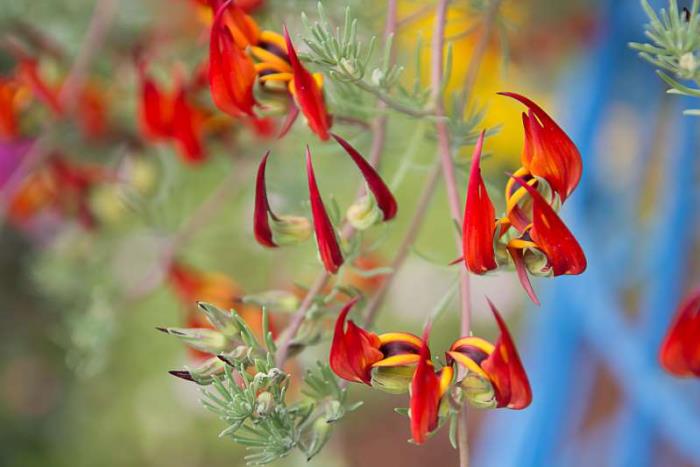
{"x": 353, "y": 350}
{"x": 499, "y": 364}
{"x": 173, "y": 117}
{"x": 427, "y": 389}
{"x": 548, "y": 152}
{"x": 185, "y": 129}
{"x": 62, "y": 186}
{"x": 385, "y": 199}
{"x": 9, "y": 108}
{"x": 261, "y": 221}
{"x": 479, "y": 220}
{"x": 680, "y": 350}
{"x": 231, "y": 72}
{"x": 553, "y": 238}
{"x": 308, "y": 94}
{"x": 328, "y": 247}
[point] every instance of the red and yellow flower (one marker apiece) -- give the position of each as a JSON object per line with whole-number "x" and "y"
{"x": 494, "y": 375}
{"x": 397, "y": 361}
{"x": 530, "y": 234}
{"x": 241, "y": 54}
{"x": 680, "y": 350}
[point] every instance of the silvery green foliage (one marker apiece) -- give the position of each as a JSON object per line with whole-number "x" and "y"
{"x": 674, "y": 47}
{"x": 245, "y": 389}
{"x": 354, "y": 70}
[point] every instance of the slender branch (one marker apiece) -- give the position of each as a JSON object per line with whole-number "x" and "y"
{"x": 377, "y": 148}
{"x": 41, "y": 149}
{"x": 453, "y": 199}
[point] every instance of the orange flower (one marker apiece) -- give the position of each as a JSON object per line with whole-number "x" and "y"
{"x": 548, "y": 151}
{"x": 231, "y": 72}
{"x": 680, "y": 350}
{"x": 61, "y": 185}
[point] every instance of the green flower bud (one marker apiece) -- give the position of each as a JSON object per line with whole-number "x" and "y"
{"x": 264, "y": 404}
{"x": 478, "y": 391}
{"x": 274, "y": 300}
{"x": 206, "y": 340}
{"x": 203, "y": 374}
{"x": 364, "y": 213}
{"x": 394, "y": 380}
{"x": 315, "y": 437}
{"x": 289, "y": 230}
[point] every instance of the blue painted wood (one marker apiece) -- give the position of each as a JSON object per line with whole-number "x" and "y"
{"x": 584, "y": 312}
{"x": 665, "y": 279}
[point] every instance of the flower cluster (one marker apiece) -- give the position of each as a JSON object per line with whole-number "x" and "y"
{"x": 240, "y": 54}
{"x": 486, "y": 374}
{"x": 530, "y": 234}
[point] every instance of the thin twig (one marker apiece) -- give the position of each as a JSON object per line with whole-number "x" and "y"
{"x": 41, "y": 149}
{"x": 453, "y": 198}
{"x": 377, "y": 148}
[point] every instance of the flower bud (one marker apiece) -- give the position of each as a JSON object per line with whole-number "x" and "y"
{"x": 206, "y": 340}
{"x": 478, "y": 391}
{"x": 316, "y": 437}
{"x": 377, "y": 77}
{"x": 348, "y": 66}
{"x": 203, "y": 374}
{"x": 688, "y": 63}
{"x": 274, "y": 300}
{"x": 394, "y": 380}
{"x": 288, "y": 230}
{"x": 364, "y": 213}
{"x": 240, "y": 354}
{"x": 264, "y": 404}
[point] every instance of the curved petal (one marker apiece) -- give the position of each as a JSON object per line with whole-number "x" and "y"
{"x": 479, "y": 220}
{"x": 425, "y": 395}
{"x": 680, "y": 350}
{"x": 521, "y": 271}
{"x": 385, "y": 199}
{"x": 506, "y": 371}
{"x": 231, "y": 72}
{"x": 328, "y": 247}
{"x": 261, "y": 221}
{"x": 548, "y": 151}
{"x": 185, "y": 131}
{"x": 553, "y": 237}
{"x": 153, "y": 109}
{"x": 353, "y": 350}
{"x": 308, "y": 94}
